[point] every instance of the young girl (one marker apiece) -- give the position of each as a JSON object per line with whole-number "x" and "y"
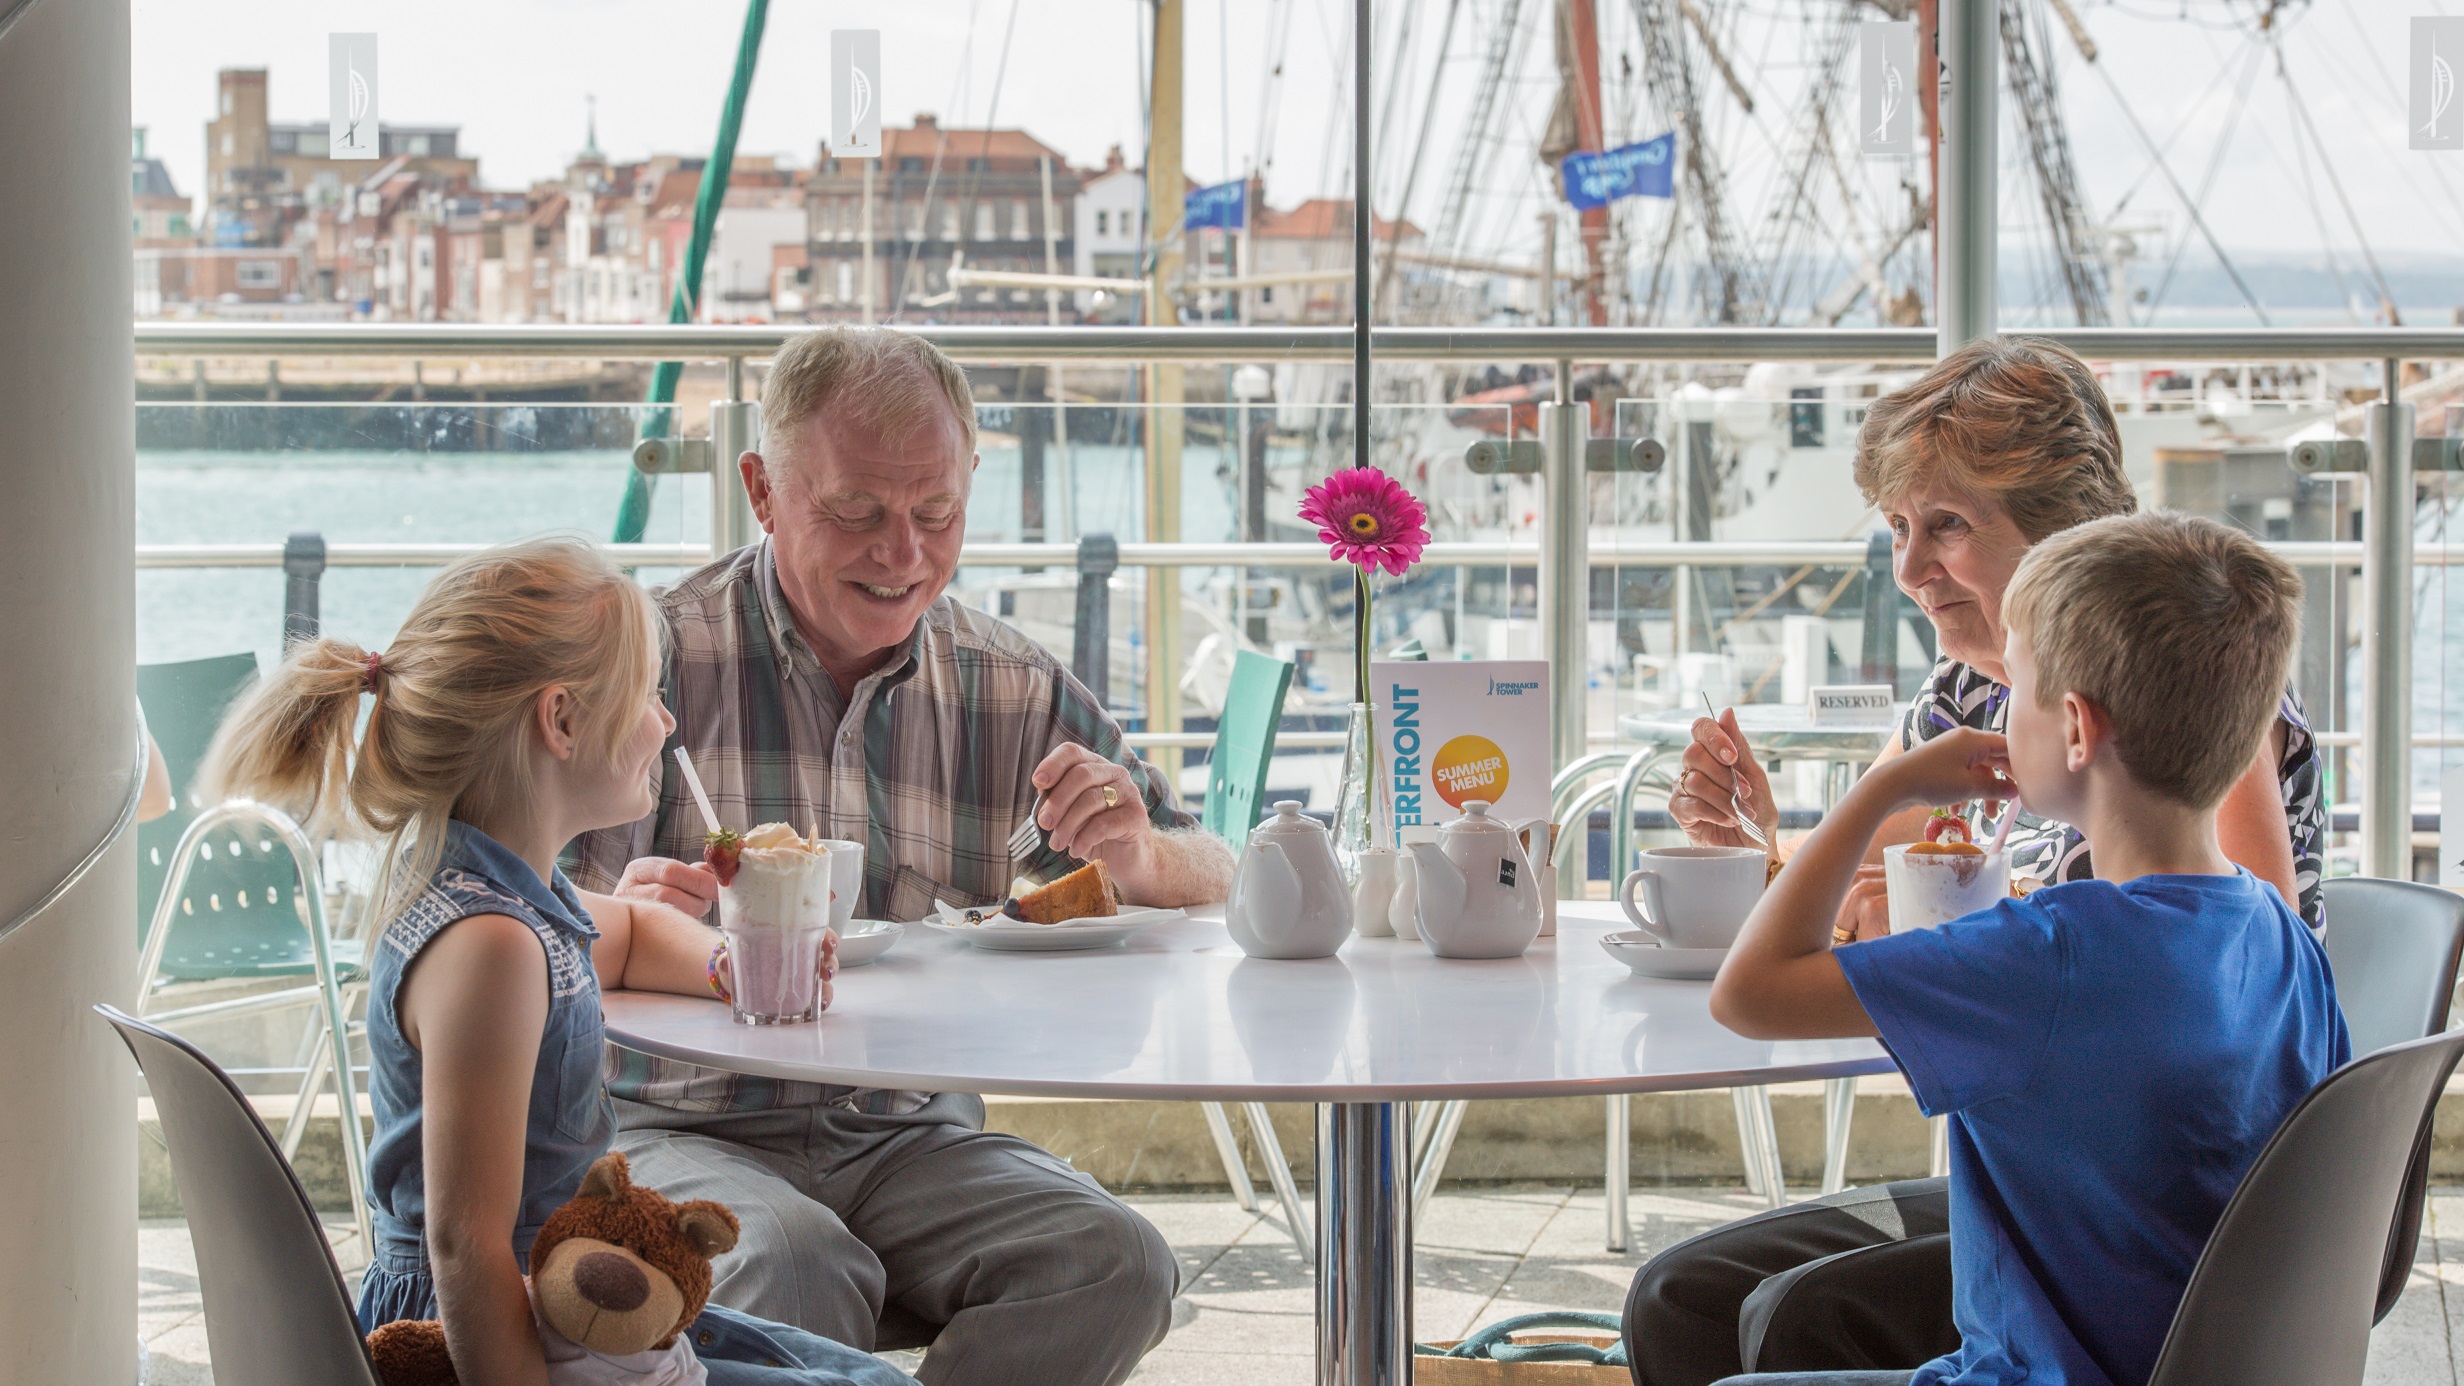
{"x": 517, "y": 707}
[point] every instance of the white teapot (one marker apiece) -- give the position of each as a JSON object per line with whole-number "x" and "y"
{"x": 1288, "y": 898}
{"x": 1479, "y": 897}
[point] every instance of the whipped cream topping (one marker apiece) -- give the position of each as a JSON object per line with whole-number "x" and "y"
{"x": 782, "y": 881}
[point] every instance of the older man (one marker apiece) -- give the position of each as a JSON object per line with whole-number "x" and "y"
{"x": 821, "y": 676}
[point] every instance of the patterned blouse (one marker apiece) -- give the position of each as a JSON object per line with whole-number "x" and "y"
{"x": 2047, "y": 852}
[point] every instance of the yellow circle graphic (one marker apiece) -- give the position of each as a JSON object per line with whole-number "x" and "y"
{"x": 1467, "y": 768}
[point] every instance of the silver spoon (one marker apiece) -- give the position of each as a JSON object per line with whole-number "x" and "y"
{"x": 1744, "y": 820}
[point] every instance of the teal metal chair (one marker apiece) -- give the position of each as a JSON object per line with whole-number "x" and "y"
{"x": 1244, "y": 745}
{"x": 1235, "y": 787}
{"x": 231, "y": 892}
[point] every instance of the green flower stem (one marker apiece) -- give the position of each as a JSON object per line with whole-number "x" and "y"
{"x": 1365, "y": 695}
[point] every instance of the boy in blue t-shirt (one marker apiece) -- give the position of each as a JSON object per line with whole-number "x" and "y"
{"x": 2112, "y": 1053}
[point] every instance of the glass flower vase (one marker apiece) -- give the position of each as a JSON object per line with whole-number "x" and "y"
{"x": 1363, "y": 814}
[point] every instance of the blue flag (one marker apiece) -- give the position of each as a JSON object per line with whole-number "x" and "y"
{"x": 1223, "y": 207}
{"x": 1635, "y": 170}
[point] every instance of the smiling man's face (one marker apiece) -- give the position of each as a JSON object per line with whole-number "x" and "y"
{"x": 866, "y": 526}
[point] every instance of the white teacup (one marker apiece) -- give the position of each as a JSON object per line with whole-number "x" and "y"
{"x": 1695, "y": 897}
{"x": 846, "y": 881}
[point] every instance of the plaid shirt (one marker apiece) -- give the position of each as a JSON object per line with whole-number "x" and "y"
{"x": 926, "y": 763}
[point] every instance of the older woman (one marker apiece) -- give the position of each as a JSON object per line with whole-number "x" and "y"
{"x": 2000, "y": 445}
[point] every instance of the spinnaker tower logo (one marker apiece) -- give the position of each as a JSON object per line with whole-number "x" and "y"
{"x": 2437, "y": 117}
{"x": 351, "y": 119}
{"x": 1886, "y": 65}
{"x": 855, "y": 93}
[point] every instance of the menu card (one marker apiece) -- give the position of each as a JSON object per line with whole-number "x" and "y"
{"x": 1457, "y": 730}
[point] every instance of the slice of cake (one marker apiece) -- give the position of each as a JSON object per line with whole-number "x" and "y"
{"x": 1086, "y": 893}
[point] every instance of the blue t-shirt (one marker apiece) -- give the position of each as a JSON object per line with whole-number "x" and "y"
{"x": 2112, "y": 1059}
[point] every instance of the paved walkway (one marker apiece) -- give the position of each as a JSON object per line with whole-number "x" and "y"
{"x": 1483, "y": 1254}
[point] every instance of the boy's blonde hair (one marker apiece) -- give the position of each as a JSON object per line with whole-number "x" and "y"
{"x": 453, "y": 700}
{"x": 889, "y": 380}
{"x": 2181, "y": 629}
{"x": 2018, "y": 421}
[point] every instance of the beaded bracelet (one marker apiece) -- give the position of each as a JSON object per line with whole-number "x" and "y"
{"x": 718, "y": 988}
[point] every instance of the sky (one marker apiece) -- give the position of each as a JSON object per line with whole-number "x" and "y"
{"x": 516, "y": 76}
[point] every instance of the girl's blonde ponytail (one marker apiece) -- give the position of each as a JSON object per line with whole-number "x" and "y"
{"x": 288, "y": 742}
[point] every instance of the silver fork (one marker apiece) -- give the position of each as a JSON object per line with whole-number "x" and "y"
{"x": 1026, "y": 837}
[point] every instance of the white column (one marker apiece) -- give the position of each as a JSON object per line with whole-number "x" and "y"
{"x": 68, "y": 1139}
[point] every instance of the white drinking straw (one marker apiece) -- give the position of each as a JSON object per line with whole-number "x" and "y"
{"x": 694, "y": 783}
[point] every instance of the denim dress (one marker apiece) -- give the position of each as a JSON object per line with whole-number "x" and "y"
{"x": 570, "y": 1124}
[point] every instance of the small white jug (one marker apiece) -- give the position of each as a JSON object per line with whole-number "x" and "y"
{"x": 1288, "y": 899}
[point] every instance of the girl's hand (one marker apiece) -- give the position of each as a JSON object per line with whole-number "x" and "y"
{"x": 1719, "y": 766}
{"x": 1953, "y": 768}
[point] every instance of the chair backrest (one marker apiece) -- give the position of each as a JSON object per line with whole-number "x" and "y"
{"x": 184, "y": 705}
{"x": 2395, "y": 947}
{"x": 276, "y": 1312}
{"x": 2285, "y": 1290}
{"x": 1244, "y": 745}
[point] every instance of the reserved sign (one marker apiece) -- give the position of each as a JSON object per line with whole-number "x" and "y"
{"x": 1849, "y": 704}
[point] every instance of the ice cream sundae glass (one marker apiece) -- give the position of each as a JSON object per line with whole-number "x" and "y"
{"x": 1942, "y": 877}
{"x": 774, "y": 908}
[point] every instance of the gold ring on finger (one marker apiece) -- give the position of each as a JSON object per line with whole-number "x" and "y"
{"x": 1112, "y": 796}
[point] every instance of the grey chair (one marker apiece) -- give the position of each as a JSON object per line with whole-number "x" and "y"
{"x": 2286, "y": 1289}
{"x": 2395, "y": 947}
{"x": 276, "y": 1312}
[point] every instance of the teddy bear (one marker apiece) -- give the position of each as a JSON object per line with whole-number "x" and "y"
{"x": 615, "y": 1276}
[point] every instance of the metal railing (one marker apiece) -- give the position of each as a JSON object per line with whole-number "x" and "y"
{"x": 1138, "y": 345}
{"x": 2385, "y": 554}
{"x": 1657, "y": 553}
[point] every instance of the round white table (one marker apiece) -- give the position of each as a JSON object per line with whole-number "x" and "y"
{"x": 1178, "y": 1013}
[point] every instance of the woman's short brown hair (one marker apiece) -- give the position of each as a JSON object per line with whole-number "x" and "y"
{"x": 2018, "y": 421}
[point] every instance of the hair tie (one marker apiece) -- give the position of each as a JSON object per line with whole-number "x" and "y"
{"x": 376, "y": 666}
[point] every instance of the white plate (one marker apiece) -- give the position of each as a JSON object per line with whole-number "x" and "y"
{"x": 867, "y": 939}
{"x": 1643, "y": 953}
{"x": 1049, "y": 938}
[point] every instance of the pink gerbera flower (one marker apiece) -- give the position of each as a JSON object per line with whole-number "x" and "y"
{"x": 1367, "y": 519}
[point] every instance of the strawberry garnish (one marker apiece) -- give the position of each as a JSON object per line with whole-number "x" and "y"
{"x": 721, "y": 851}
{"x": 1945, "y": 823}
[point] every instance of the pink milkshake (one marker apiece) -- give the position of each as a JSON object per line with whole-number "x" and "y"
{"x": 775, "y": 912}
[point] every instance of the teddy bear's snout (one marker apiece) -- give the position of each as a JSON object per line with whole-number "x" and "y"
{"x": 611, "y": 1282}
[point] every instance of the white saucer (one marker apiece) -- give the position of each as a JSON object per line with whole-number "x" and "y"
{"x": 1648, "y": 958}
{"x": 1075, "y": 935}
{"x": 867, "y": 939}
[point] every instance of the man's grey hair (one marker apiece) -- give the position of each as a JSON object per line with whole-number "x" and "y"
{"x": 880, "y": 378}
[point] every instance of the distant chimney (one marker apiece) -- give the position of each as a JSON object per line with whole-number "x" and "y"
{"x": 925, "y": 120}
{"x": 1113, "y": 160}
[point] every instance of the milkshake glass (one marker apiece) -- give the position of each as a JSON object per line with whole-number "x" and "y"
{"x": 776, "y": 914}
{"x": 1930, "y": 888}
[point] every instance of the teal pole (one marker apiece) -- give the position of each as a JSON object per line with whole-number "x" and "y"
{"x": 633, "y": 516}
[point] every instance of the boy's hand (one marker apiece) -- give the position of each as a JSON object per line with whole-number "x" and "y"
{"x": 1953, "y": 768}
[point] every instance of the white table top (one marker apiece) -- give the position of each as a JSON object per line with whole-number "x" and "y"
{"x": 1178, "y": 1013}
